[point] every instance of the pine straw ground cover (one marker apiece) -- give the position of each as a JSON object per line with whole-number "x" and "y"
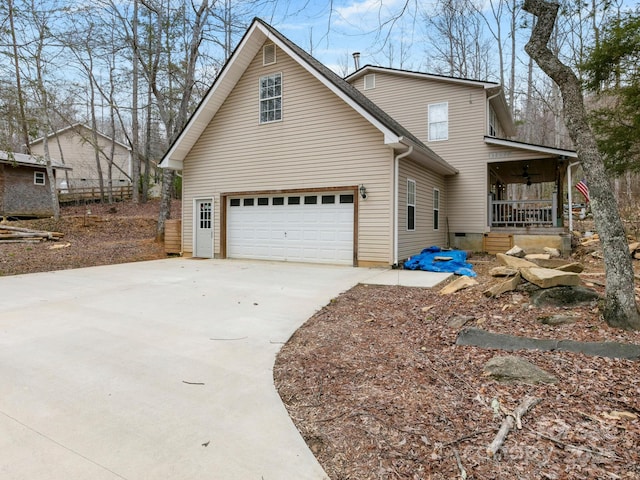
{"x": 378, "y": 389}
{"x": 119, "y": 233}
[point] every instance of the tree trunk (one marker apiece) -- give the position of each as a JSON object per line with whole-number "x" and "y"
{"x": 620, "y": 308}
{"x": 135, "y": 126}
{"x": 165, "y": 202}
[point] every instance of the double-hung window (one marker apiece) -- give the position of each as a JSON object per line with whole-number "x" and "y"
{"x": 271, "y": 98}
{"x": 436, "y": 209}
{"x": 411, "y": 205}
{"x": 438, "y": 121}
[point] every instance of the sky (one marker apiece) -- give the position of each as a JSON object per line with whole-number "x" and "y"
{"x": 333, "y": 31}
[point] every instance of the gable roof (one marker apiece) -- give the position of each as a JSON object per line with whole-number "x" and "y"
{"x": 75, "y": 129}
{"x": 395, "y": 135}
{"x": 24, "y": 160}
{"x": 494, "y": 91}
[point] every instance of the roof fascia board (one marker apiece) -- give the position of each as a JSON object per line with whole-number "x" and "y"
{"x": 530, "y": 147}
{"x": 369, "y": 68}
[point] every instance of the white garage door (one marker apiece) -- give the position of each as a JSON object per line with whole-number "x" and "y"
{"x": 314, "y": 227}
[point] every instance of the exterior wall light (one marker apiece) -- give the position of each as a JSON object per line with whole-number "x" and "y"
{"x": 363, "y": 191}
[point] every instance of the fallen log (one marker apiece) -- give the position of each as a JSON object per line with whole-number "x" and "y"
{"x": 510, "y": 421}
{"x": 28, "y": 231}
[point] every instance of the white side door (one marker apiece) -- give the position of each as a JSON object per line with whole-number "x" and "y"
{"x": 203, "y": 235}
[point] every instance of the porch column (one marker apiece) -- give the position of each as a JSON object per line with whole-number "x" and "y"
{"x": 490, "y": 212}
{"x": 554, "y": 208}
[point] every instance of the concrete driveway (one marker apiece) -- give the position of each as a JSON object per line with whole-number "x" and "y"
{"x": 156, "y": 370}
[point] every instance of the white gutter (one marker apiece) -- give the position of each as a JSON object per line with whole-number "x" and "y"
{"x": 569, "y": 182}
{"x": 396, "y": 174}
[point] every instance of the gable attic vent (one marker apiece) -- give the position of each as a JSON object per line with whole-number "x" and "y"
{"x": 370, "y": 81}
{"x": 269, "y": 54}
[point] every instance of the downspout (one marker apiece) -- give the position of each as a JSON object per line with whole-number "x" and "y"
{"x": 396, "y": 174}
{"x": 570, "y": 199}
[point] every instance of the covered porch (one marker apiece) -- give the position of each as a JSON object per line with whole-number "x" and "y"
{"x": 526, "y": 191}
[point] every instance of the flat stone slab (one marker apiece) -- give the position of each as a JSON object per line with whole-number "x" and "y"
{"x": 514, "y": 262}
{"x": 549, "y": 277}
{"x": 503, "y": 272}
{"x": 458, "y": 284}
{"x": 481, "y": 338}
{"x": 570, "y": 267}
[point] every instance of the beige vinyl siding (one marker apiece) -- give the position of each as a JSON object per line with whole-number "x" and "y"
{"x": 321, "y": 142}
{"x": 81, "y": 157}
{"x": 413, "y": 242}
{"x": 497, "y": 153}
{"x": 407, "y": 100}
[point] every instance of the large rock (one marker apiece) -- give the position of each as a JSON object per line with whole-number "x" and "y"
{"x": 500, "y": 288}
{"x": 516, "y": 251}
{"x": 549, "y": 263}
{"x": 503, "y": 272}
{"x": 549, "y": 277}
{"x": 553, "y": 252}
{"x": 513, "y": 262}
{"x": 510, "y": 368}
{"x": 532, "y": 257}
{"x": 564, "y": 296}
{"x": 458, "y": 284}
{"x": 559, "y": 319}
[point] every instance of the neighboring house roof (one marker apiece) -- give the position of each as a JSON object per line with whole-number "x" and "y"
{"x": 495, "y": 92}
{"x": 75, "y": 129}
{"x": 25, "y": 160}
{"x": 395, "y": 135}
{"x": 530, "y": 147}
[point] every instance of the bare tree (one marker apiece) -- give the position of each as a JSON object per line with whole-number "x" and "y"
{"x": 457, "y": 41}
{"x": 620, "y": 307}
{"x": 23, "y": 118}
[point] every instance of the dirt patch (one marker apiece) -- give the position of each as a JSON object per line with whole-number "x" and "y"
{"x": 378, "y": 388}
{"x": 94, "y": 234}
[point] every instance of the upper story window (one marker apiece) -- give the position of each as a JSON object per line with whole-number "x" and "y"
{"x": 438, "y": 121}
{"x": 370, "y": 81}
{"x": 271, "y": 98}
{"x": 495, "y": 129}
{"x": 39, "y": 178}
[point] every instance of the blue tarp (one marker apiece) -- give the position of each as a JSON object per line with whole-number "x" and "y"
{"x": 426, "y": 261}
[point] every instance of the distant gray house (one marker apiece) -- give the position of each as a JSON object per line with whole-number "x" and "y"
{"x": 76, "y": 144}
{"x": 24, "y": 186}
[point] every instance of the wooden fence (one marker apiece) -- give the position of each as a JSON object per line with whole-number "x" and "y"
{"x": 92, "y": 194}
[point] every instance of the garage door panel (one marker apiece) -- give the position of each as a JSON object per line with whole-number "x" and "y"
{"x": 305, "y": 232}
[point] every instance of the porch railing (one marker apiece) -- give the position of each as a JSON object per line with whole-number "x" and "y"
{"x": 523, "y": 213}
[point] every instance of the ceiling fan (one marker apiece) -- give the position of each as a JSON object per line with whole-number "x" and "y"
{"x": 525, "y": 174}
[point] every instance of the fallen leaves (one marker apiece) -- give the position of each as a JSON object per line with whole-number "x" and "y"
{"x": 376, "y": 381}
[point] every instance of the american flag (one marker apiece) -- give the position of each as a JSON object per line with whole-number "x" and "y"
{"x": 581, "y": 186}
